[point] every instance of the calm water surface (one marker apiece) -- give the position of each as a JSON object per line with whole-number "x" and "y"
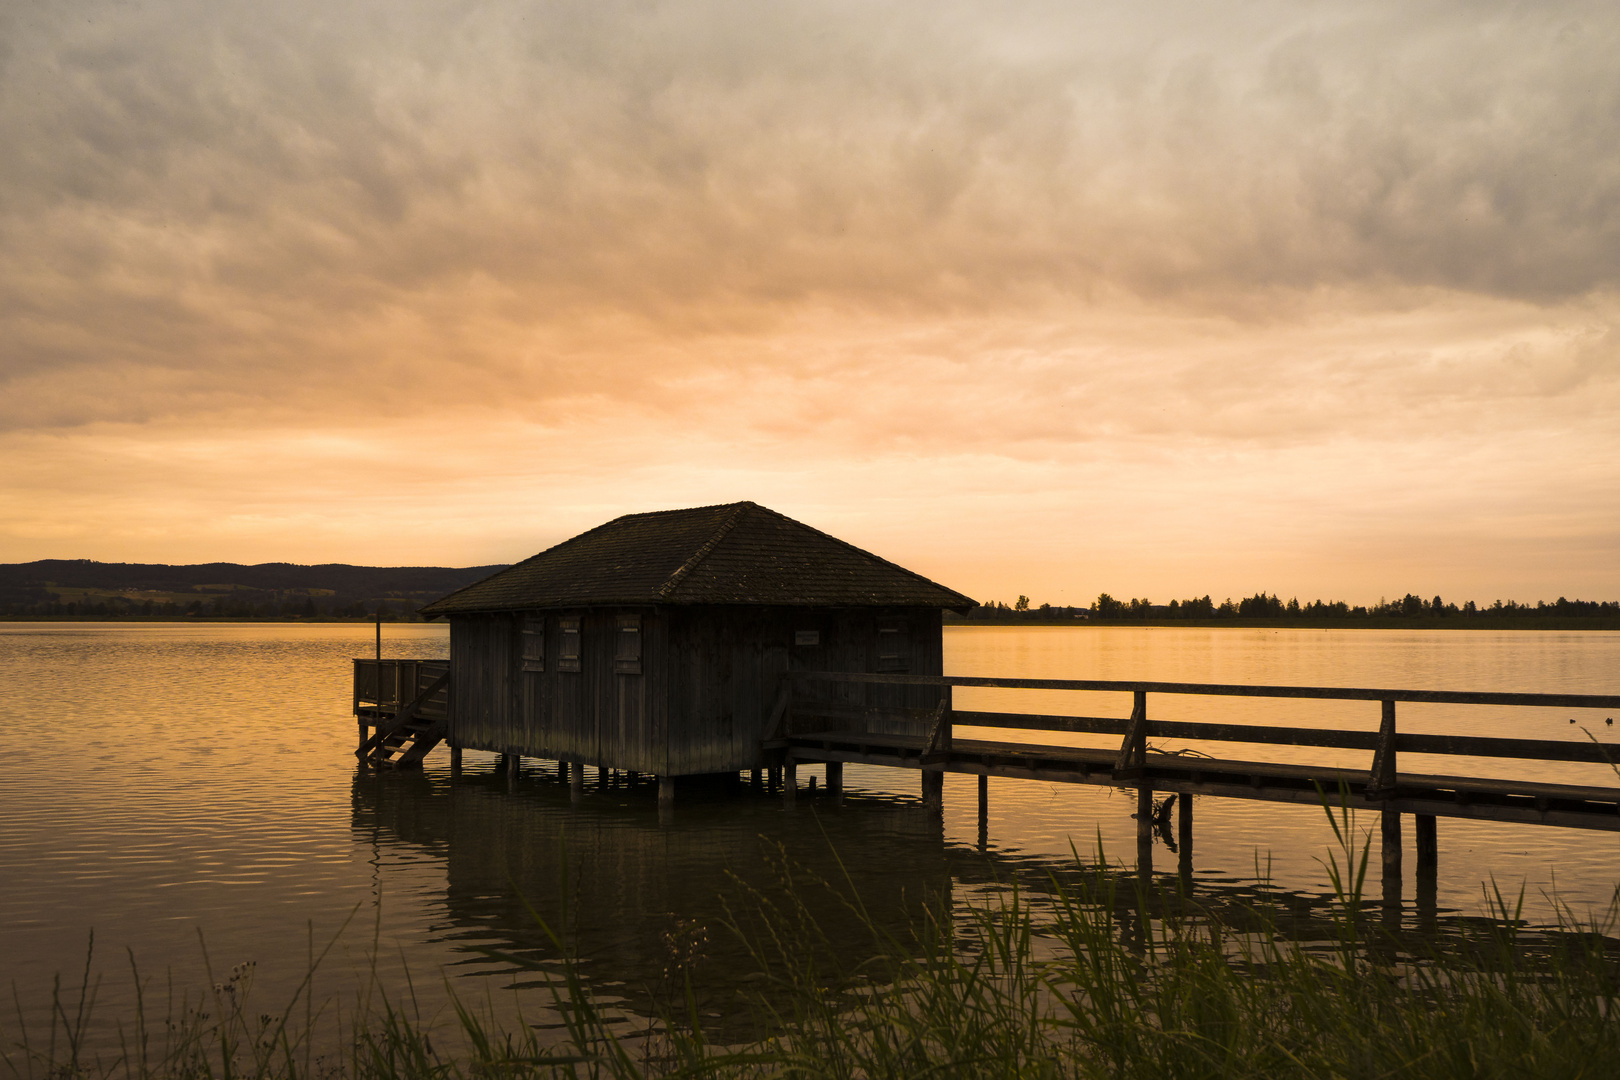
{"x": 189, "y": 793}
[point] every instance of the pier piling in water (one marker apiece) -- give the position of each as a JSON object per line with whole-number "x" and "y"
{"x": 1144, "y": 830}
{"x": 666, "y": 799}
{"x": 1184, "y": 838}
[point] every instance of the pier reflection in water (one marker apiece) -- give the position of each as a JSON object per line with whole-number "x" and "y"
{"x": 643, "y": 906}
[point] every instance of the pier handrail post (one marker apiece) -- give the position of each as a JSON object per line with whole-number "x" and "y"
{"x": 1381, "y": 778}
{"x": 1133, "y": 751}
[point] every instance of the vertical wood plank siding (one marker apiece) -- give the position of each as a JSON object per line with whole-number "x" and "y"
{"x": 709, "y": 680}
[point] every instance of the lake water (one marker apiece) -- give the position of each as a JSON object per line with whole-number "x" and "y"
{"x": 190, "y": 790}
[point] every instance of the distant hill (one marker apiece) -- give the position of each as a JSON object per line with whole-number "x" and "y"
{"x": 81, "y": 587}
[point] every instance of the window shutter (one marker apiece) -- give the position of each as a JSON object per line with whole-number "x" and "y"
{"x": 568, "y": 644}
{"x": 627, "y": 651}
{"x": 893, "y": 647}
{"x": 534, "y": 644}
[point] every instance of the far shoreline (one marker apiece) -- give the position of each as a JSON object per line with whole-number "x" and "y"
{"x": 1478, "y": 622}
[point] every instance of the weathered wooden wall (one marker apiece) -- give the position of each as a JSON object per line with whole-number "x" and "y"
{"x": 482, "y": 686}
{"x": 709, "y": 678}
{"x": 726, "y": 666}
{"x": 596, "y": 715}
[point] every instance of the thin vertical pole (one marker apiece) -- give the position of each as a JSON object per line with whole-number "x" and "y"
{"x": 379, "y": 633}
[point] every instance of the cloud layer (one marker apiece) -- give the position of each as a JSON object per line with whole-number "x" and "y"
{"x": 1218, "y": 250}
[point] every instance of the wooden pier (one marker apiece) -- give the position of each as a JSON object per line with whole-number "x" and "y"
{"x": 824, "y": 717}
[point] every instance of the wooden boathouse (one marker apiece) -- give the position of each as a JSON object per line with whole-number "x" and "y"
{"x": 659, "y": 642}
{"x": 729, "y": 638}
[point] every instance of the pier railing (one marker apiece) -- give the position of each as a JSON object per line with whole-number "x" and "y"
{"x": 384, "y": 687}
{"x": 818, "y": 729}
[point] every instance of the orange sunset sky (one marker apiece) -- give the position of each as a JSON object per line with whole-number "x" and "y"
{"x": 1046, "y": 298}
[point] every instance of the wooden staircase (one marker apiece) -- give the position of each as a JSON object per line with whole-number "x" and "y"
{"x": 407, "y": 730}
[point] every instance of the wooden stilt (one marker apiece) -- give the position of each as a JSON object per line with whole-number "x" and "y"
{"x": 984, "y": 811}
{"x": 835, "y": 780}
{"x": 455, "y": 761}
{"x": 1428, "y": 843}
{"x": 933, "y": 790}
{"x": 1144, "y": 831}
{"x": 513, "y": 766}
{"x": 756, "y": 780}
{"x": 666, "y": 799}
{"x": 790, "y": 782}
{"x": 576, "y": 783}
{"x": 1389, "y": 830}
{"x": 1390, "y": 849}
{"x": 1184, "y": 837}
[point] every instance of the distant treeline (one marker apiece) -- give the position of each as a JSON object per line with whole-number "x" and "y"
{"x": 1266, "y": 609}
{"x": 80, "y": 588}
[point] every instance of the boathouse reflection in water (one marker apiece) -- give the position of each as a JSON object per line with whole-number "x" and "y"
{"x": 644, "y": 900}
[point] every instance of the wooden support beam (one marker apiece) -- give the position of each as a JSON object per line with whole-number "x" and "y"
{"x": 1381, "y": 779}
{"x": 1133, "y": 750}
{"x": 576, "y": 783}
{"x": 835, "y": 780}
{"x": 455, "y": 761}
{"x": 790, "y": 782}
{"x": 756, "y": 780}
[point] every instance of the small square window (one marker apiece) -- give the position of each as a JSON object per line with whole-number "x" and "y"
{"x": 568, "y": 645}
{"x": 627, "y": 646}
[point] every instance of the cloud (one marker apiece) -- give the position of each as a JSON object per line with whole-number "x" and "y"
{"x": 1113, "y": 248}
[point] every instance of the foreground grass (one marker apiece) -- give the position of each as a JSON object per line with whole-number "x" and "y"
{"x": 1009, "y": 988}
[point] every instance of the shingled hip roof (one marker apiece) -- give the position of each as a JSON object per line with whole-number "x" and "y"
{"x": 738, "y": 553}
